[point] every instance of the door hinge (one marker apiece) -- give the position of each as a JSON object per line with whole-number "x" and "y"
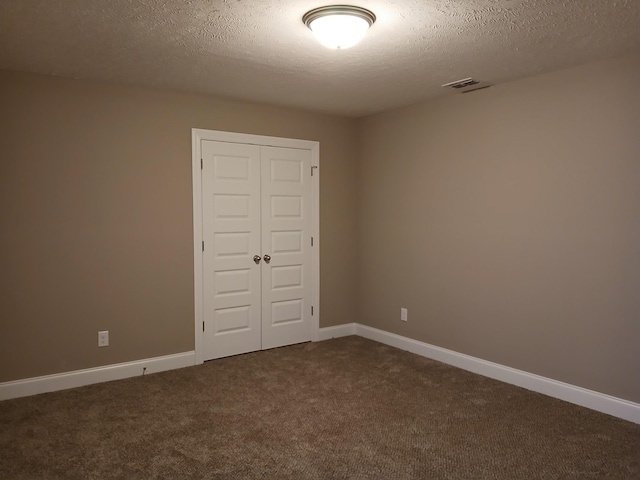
{"x": 203, "y": 245}
{"x": 201, "y": 164}
{"x": 312, "y": 241}
{"x": 312, "y": 167}
{"x": 311, "y": 309}
{"x": 203, "y": 326}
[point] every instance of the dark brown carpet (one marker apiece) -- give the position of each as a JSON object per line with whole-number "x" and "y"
{"x": 344, "y": 408}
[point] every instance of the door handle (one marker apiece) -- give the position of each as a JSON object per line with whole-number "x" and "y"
{"x": 267, "y": 258}
{"x": 256, "y": 258}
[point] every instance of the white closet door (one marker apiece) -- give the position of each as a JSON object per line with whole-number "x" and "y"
{"x": 286, "y": 238}
{"x": 231, "y": 232}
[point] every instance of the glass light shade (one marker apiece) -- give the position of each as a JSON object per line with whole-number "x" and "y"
{"x": 339, "y": 31}
{"x": 339, "y": 26}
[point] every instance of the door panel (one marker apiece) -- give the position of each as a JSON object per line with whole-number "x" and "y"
{"x": 256, "y": 201}
{"x": 231, "y": 232}
{"x": 286, "y": 237}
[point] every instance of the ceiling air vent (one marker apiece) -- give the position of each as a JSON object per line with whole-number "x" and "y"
{"x": 467, "y": 85}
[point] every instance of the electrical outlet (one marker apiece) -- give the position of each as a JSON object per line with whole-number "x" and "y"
{"x": 403, "y": 314}
{"x": 103, "y": 338}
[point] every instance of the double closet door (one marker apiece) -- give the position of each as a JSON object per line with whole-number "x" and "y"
{"x": 257, "y": 225}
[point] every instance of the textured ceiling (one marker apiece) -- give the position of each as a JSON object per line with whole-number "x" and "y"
{"x": 259, "y": 50}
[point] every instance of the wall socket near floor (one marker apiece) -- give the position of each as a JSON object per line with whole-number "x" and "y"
{"x": 403, "y": 314}
{"x": 103, "y": 338}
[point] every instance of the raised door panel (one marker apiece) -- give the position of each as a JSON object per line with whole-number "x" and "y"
{"x": 286, "y": 237}
{"x": 231, "y": 231}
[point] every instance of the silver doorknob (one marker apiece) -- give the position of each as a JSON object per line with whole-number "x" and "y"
{"x": 267, "y": 258}
{"x": 256, "y": 258}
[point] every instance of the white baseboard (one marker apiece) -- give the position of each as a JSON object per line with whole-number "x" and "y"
{"x": 79, "y": 378}
{"x": 580, "y": 396}
{"x": 328, "y": 333}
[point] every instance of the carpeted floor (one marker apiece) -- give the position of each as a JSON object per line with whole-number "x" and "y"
{"x": 347, "y": 408}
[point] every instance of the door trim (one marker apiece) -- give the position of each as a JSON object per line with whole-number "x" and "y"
{"x": 197, "y": 136}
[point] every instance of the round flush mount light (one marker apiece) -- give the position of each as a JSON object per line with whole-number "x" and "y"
{"x": 339, "y": 26}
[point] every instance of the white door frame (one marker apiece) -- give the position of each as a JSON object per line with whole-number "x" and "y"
{"x": 197, "y": 136}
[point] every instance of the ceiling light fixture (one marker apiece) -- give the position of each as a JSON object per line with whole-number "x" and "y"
{"x": 339, "y": 26}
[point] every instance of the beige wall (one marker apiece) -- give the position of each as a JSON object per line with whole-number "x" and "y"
{"x": 96, "y": 212}
{"x": 508, "y": 222}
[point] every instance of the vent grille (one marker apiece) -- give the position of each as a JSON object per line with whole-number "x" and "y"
{"x": 467, "y": 85}
{"x": 458, "y": 84}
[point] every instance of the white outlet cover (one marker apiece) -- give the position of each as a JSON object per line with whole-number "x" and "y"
{"x": 103, "y": 338}
{"x": 403, "y": 314}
